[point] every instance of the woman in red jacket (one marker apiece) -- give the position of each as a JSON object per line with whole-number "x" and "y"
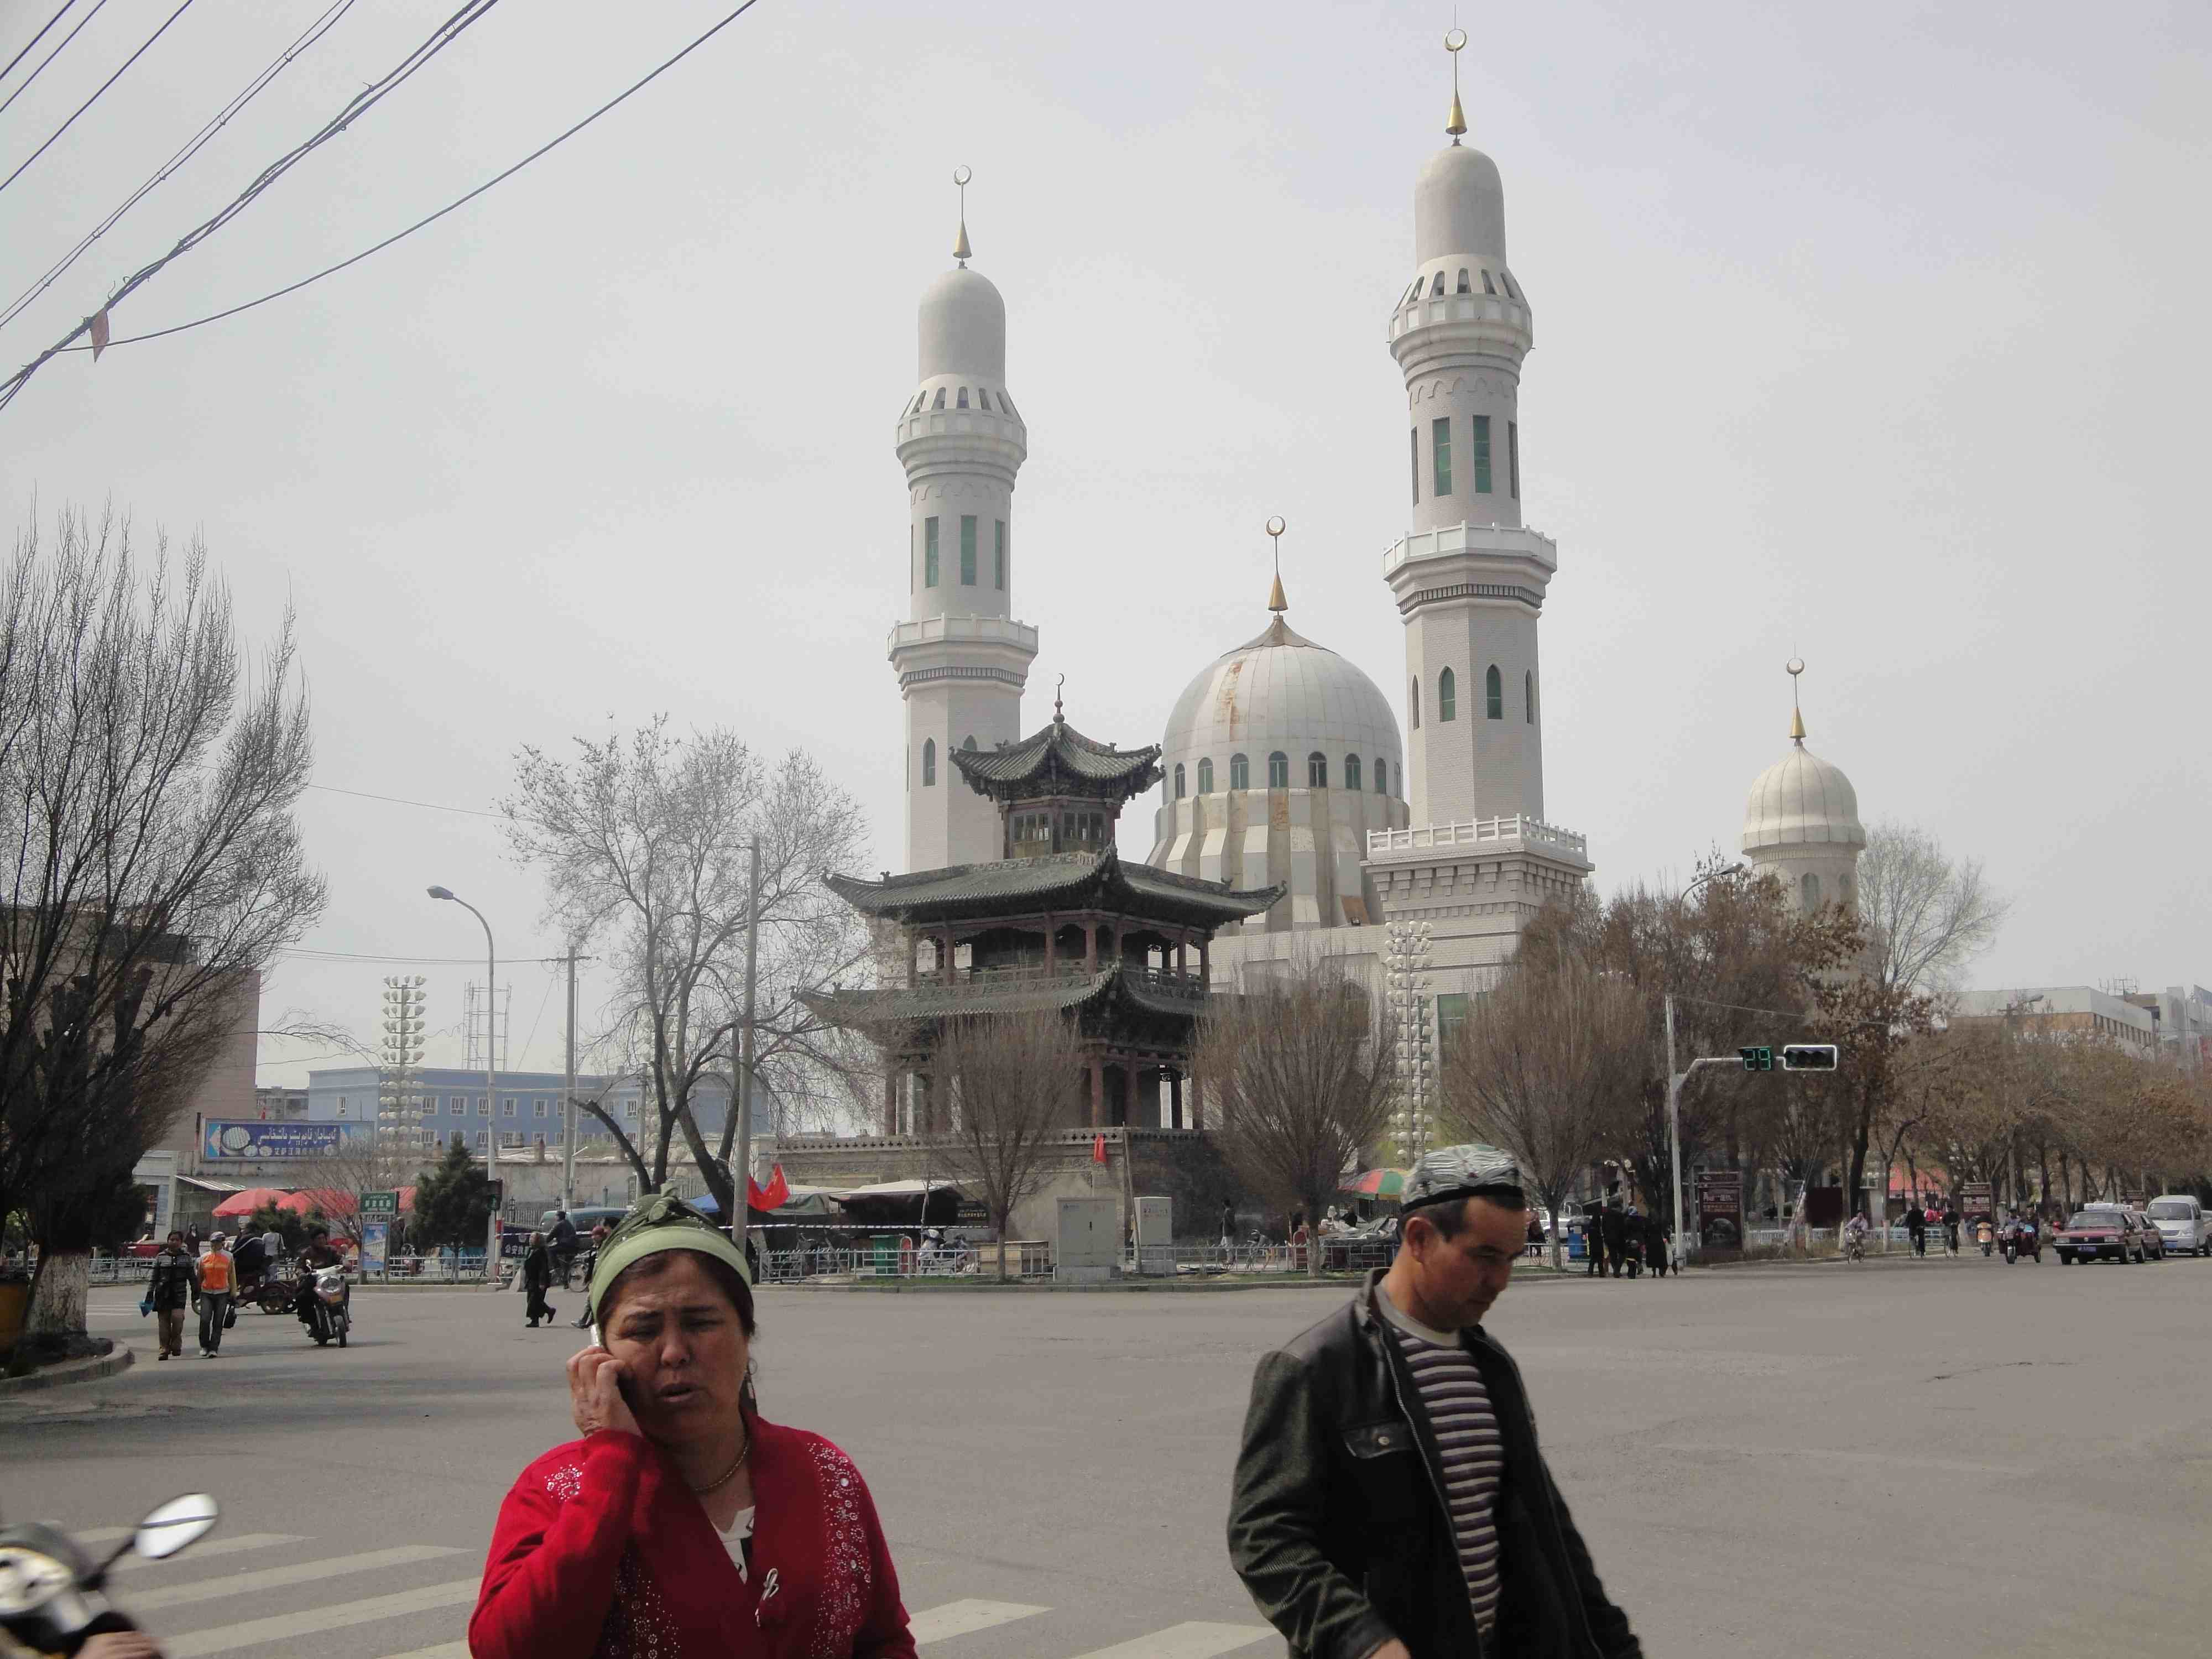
{"x": 681, "y": 1525}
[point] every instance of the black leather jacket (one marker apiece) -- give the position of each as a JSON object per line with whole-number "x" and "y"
{"x": 1338, "y": 1525}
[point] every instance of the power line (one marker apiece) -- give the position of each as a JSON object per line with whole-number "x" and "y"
{"x": 314, "y": 32}
{"x": 95, "y": 99}
{"x": 360, "y": 104}
{"x": 310, "y": 953}
{"x": 426, "y": 805}
{"x": 35, "y": 39}
{"x": 55, "y": 53}
{"x": 7, "y": 389}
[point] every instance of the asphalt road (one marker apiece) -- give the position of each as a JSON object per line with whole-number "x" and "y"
{"x": 1939, "y": 1457}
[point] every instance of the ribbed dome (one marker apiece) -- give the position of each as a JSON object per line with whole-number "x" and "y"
{"x": 1801, "y": 799}
{"x": 964, "y": 327}
{"x": 1458, "y": 207}
{"x": 1281, "y": 692}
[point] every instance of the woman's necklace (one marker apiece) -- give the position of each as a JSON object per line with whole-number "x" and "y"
{"x": 728, "y": 1474}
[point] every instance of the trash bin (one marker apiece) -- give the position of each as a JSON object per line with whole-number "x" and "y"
{"x": 884, "y": 1254}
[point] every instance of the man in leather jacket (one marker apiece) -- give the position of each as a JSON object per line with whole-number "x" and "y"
{"x": 1362, "y": 1533}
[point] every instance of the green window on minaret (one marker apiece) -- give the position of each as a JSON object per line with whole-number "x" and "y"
{"x": 967, "y": 549}
{"x": 1440, "y": 444}
{"x": 1493, "y": 693}
{"x": 1413, "y": 443}
{"x": 1513, "y": 457}
{"x": 1447, "y": 697}
{"x": 929, "y": 552}
{"x": 999, "y": 556}
{"x": 1482, "y": 454}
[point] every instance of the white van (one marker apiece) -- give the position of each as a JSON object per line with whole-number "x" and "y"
{"x": 2182, "y": 1222}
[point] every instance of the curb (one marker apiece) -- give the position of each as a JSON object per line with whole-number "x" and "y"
{"x": 90, "y": 1369}
{"x": 1112, "y": 1287}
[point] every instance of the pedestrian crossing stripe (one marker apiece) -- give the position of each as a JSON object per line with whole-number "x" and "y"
{"x": 299, "y": 1572}
{"x": 310, "y": 1621}
{"x": 233, "y": 1546}
{"x": 964, "y": 1618}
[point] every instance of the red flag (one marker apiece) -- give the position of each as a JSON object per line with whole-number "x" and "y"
{"x": 1098, "y": 1149}
{"x": 99, "y": 321}
{"x": 775, "y": 1196}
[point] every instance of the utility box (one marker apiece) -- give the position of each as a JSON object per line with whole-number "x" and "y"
{"x": 1156, "y": 1236}
{"x": 1087, "y": 1243}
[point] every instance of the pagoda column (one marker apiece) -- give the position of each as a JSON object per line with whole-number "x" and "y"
{"x": 1097, "y": 1090}
{"x": 891, "y": 1100}
{"x": 1051, "y": 945}
{"x": 1175, "y": 1100}
{"x": 1091, "y": 945}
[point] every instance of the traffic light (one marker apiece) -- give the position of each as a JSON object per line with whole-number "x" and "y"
{"x": 1809, "y": 1057}
{"x": 1756, "y": 1060}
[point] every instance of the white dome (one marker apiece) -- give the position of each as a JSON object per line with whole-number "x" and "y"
{"x": 1282, "y": 693}
{"x": 1802, "y": 800}
{"x": 963, "y": 326}
{"x": 1458, "y": 207}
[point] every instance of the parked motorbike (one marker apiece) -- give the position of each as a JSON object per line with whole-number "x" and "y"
{"x": 329, "y": 1308}
{"x": 53, "y": 1597}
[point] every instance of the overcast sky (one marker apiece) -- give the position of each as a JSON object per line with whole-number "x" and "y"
{"x": 1872, "y": 334}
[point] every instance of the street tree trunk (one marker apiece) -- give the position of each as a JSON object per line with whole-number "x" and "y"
{"x": 57, "y": 1295}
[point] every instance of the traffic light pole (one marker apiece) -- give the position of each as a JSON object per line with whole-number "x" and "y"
{"x": 1675, "y": 1082}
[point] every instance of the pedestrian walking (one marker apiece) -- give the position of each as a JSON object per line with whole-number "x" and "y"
{"x": 682, "y": 1521}
{"x": 1228, "y": 1229}
{"x": 1654, "y": 1246}
{"x": 211, "y": 1293}
{"x": 1915, "y": 1227}
{"x": 1614, "y": 1224}
{"x": 536, "y": 1278}
{"x": 192, "y": 1242}
{"x": 1592, "y": 1245}
{"x": 174, "y": 1280}
{"x": 1632, "y": 1240}
{"x": 563, "y": 1243}
{"x": 1390, "y": 1500}
{"x": 1951, "y": 1226}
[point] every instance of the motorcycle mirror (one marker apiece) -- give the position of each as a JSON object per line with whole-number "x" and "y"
{"x": 179, "y": 1522}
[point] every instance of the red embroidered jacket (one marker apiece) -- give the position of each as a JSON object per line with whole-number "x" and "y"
{"x": 601, "y": 1552}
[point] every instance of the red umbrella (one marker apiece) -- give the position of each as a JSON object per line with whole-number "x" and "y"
{"x": 1378, "y": 1183}
{"x": 328, "y": 1200}
{"x": 251, "y": 1199}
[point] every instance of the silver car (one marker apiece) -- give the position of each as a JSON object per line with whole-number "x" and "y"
{"x": 2182, "y": 1225}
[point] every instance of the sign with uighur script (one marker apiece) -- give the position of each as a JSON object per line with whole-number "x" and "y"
{"x": 238, "y": 1139}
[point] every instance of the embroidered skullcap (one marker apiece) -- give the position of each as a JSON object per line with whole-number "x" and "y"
{"x": 661, "y": 1221}
{"x": 1471, "y": 1171}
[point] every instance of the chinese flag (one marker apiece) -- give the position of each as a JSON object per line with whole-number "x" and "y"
{"x": 1098, "y": 1149}
{"x": 774, "y": 1196}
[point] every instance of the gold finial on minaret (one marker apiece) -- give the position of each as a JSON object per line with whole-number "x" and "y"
{"x": 1059, "y": 687}
{"x": 1453, "y": 42}
{"x": 961, "y": 250}
{"x": 1796, "y": 667}
{"x": 1276, "y": 602}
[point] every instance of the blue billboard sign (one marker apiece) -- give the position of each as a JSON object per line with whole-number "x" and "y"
{"x": 231, "y": 1138}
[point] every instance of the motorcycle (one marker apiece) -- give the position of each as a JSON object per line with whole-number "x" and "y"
{"x": 52, "y": 1593}
{"x": 329, "y": 1312}
{"x": 2020, "y": 1241}
{"x": 1985, "y": 1236}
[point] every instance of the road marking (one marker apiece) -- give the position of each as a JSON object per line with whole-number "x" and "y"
{"x": 225, "y": 1638}
{"x": 1196, "y": 1641}
{"x": 299, "y": 1572}
{"x": 245, "y": 1540}
{"x": 965, "y": 1618}
{"x": 443, "y": 1650}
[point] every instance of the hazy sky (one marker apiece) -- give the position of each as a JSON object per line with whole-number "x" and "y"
{"x": 1874, "y": 334}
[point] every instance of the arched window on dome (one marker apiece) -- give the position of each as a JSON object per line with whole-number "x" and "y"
{"x": 1506, "y": 282}
{"x": 940, "y": 402}
{"x": 1352, "y": 773}
{"x": 1178, "y": 781}
{"x": 1809, "y": 887}
{"x": 1463, "y": 287}
{"x": 1316, "y": 770}
{"x": 1278, "y": 770}
{"x": 963, "y": 403}
{"x": 1528, "y": 695}
{"x": 1493, "y": 693}
{"x": 1240, "y": 772}
{"x": 1488, "y": 287}
{"x": 1381, "y": 776}
{"x": 1205, "y": 775}
{"x": 1437, "y": 292}
{"x": 928, "y": 762}
{"x": 1413, "y": 694}
{"x": 1447, "y": 697}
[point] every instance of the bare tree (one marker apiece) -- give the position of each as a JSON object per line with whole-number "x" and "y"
{"x": 1011, "y": 1083}
{"x": 149, "y": 775}
{"x": 1541, "y": 1065}
{"x": 1302, "y": 1078}
{"x": 650, "y": 837}
{"x": 1925, "y": 915}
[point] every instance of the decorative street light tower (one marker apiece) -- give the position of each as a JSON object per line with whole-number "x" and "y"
{"x": 1413, "y": 1124}
{"x": 492, "y": 1079}
{"x": 398, "y": 1100}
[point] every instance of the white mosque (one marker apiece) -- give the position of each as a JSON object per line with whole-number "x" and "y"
{"x": 1282, "y": 762}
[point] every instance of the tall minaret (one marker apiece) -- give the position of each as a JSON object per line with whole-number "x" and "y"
{"x": 1468, "y": 579}
{"x": 961, "y": 658}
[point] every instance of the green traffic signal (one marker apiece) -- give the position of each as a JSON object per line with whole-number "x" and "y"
{"x": 1756, "y": 1060}
{"x": 1809, "y": 1057}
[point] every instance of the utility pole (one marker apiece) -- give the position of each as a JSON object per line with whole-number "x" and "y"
{"x": 568, "y": 1099}
{"x": 1674, "y": 1129}
{"x": 744, "y": 1079}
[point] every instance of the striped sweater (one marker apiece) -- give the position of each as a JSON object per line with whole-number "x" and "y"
{"x": 1452, "y": 1396}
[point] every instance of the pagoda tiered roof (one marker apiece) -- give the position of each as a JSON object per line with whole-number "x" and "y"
{"x": 1061, "y": 882}
{"x": 1059, "y": 760}
{"x": 1124, "y": 987}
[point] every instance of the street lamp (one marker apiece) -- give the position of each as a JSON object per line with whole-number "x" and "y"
{"x": 1675, "y": 1079}
{"x": 491, "y": 1083}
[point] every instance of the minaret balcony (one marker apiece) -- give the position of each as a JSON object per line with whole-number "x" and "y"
{"x": 1518, "y": 833}
{"x": 1513, "y": 544}
{"x": 1509, "y": 315}
{"x": 975, "y": 647}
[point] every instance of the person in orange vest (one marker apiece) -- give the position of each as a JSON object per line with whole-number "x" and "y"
{"x": 211, "y": 1296}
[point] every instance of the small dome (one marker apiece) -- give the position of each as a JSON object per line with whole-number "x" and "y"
{"x": 1800, "y": 800}
{"x": 964, "y": 327}
{"x": 1282, "y": 692}
{"x": 1458, "y": 207}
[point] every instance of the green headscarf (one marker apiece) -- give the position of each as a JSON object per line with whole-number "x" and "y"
{"x": 660, "y": 1221}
